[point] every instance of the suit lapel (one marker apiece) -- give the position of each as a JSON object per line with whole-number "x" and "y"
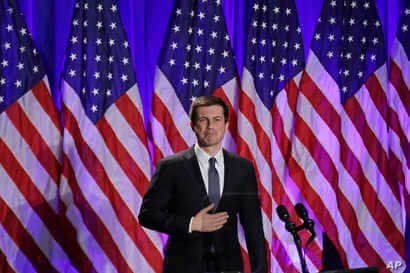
{"x": 192, "y": 167}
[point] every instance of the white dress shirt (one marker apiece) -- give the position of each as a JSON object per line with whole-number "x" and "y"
{"x": 203, "y": 160}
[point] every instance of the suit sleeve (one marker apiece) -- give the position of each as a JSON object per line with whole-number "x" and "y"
{"x": 156, "y": 212}
{"x": 251, "y": 220}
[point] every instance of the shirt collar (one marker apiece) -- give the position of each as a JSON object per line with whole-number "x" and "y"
{"x": 204, "y": 157}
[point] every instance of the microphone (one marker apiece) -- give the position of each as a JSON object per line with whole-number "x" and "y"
{"x": 285, "y": 217}
{"x": 307, "y": 222}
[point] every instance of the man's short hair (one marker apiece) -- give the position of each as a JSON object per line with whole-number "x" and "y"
{"x": 207, "y": 101}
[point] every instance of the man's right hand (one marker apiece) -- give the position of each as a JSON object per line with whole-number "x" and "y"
{"x": 204, "y": 222}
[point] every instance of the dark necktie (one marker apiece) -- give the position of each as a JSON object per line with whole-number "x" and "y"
{"x": 213, "y": 182}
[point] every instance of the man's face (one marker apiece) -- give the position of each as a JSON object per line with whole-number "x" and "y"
{"x": 210, "y": 126}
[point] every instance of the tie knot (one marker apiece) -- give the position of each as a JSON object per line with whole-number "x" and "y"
{"x": 212, "y": 161}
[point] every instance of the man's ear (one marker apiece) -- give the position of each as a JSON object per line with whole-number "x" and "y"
{"x": 192, "y": 125}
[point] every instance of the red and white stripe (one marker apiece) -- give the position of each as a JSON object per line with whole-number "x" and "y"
{"x": 30, "y": 143}
{"x": 106, "y": 171}
{"x": 343, "y": 153}
{"x": 264, "y": 136}
{"x": 399, "y": 121}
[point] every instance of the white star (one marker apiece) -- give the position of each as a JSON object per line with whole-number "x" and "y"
{"x": 285, "y": 45}
{"x": 214, "y": 34}
{"x": 1, "y": 99}
{"x": 201, "y": 15}
{"x": 216, "y": 18}
{"x": 35, "y": 69}
{"x": 375, "y": 41}
{"x": 276, "y": 10}
{"x": 348, "y": 55}
{"x": 377, "y": 24}
{"x": 108, "y": 92}
{"x": 255, "y": 6}
{"x": 227, "y": 37}
{"x": 365, "y": 23}
{"x": 72, "y": 73}
{"x": 262, "y": 59}
{"x": 208, "y": 67}
{"x": 294, "y": 62}
{"x": 350, "y": 39}
{"x": 9, "y": 28}
{"x": 125, "y": 61}
{"x": 363, "y": 40}
{"x": 333, "y": 3}
{"x": 74, "y": 40}
{"x": 283, "y": 61}
{"x": 171, "y": 62}
{"x": 274, "y": 26}
{"x": 344, "y": 89}
{"x": 362, "y": 57}
{"x": 111, "y": 42}
{"x": 190, "y": 30}
{"x": 85, "y": 40}
{"x": 17, "y": 83}
{"x": 329, "y": 54}
{"x": 197, "y": 66}
{"x": 198, "y": 49}
{"x": 192, "y": 14}
{"x": 176, "y": 28}
{"x": 263, "y": 42}
{"x": 113, "y": 25}
{"x": 346, "y": 73}
{"x": 286, "y": 28}
{"x": 111, "y": 59}
{"x": 96, "y": 75}
{"x": 200, "y": 32}
{"x": 353, "y": 4}
{"x": 174, "y": 46}
{"x": 98, "y": 41}
{"x": 23, "y": 31}
{"x": 184, "y": 81}
{"x": 4, "y": 63}
{"x": 222, "y": 69}
{"x": 22, "y": 49}
{"x": 114, "y": 8}
{"x": 255, "y": 23}
{"x": 98, "y": 58}
{"x": 7, "y": 46}
{"x": 263, "y": 25}
{"x": 261, "y": 76}
{"x": 109, "y": 76}
{"x": 94, "y": 108}
{"x": 99, "y": 24}
{"x": 195, "y": 82}
{"x": 125, "y": 44}
{"x": 100, "y": 7}
{"x": 373, "y": 57}
{"x": 273, "y": 43}
{"x": 253, "y": 41}
{"x": 2, "y": 81}
{"x": 281, "y": 77}
{"x": 407, "y": 11}
{"x": 360, "y": 74}
{"x": 186, "y": 64}
{"x": 404, "y": 28}
{"x": 86, "y": 6}
{"x": 297, "y": 46}
{"x": 332, "y": 20}
{"x": 85, "y": 23}
{"x": 10, "y": 10}
{"x": 95, "y": 92}
{"x": 20, "y": 66}
{"x": 288, "y": 11}
{"x": 206, "y": 84}
{"x": 188, "y": 47}
{"x": 317, "y": 36}
{"x": 331, "y": 37}
{"x": 225, "y": 54}
{"x": 124, "y": 77}
{"x": 178, "y": 12}
{"x": 352, "y": 22}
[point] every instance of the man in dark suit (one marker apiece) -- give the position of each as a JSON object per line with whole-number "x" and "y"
{"x": 196, "y": 195}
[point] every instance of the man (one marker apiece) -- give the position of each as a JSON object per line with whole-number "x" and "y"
{"x": 196, "y": 195}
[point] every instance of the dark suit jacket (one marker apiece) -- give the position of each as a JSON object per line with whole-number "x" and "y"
{"x": 177, "y": 193}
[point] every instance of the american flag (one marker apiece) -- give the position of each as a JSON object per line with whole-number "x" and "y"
{"x": 399, "y": 106}
{"x": 273, "y": 67}
{"x": 106, "y": 165}
{"x": 340, "y": 152}
{"x": 30, "y": 143}
{"x": 196, "y": 59}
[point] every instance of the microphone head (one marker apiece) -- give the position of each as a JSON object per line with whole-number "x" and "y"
{"x": 301, "y": 211}
{"x": 282, "y": 213}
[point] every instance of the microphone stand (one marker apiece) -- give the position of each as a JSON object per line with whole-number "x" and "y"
{"x": 296, "y": 238}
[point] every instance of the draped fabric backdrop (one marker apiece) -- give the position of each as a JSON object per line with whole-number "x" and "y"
{"x": 145, "y": 23}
